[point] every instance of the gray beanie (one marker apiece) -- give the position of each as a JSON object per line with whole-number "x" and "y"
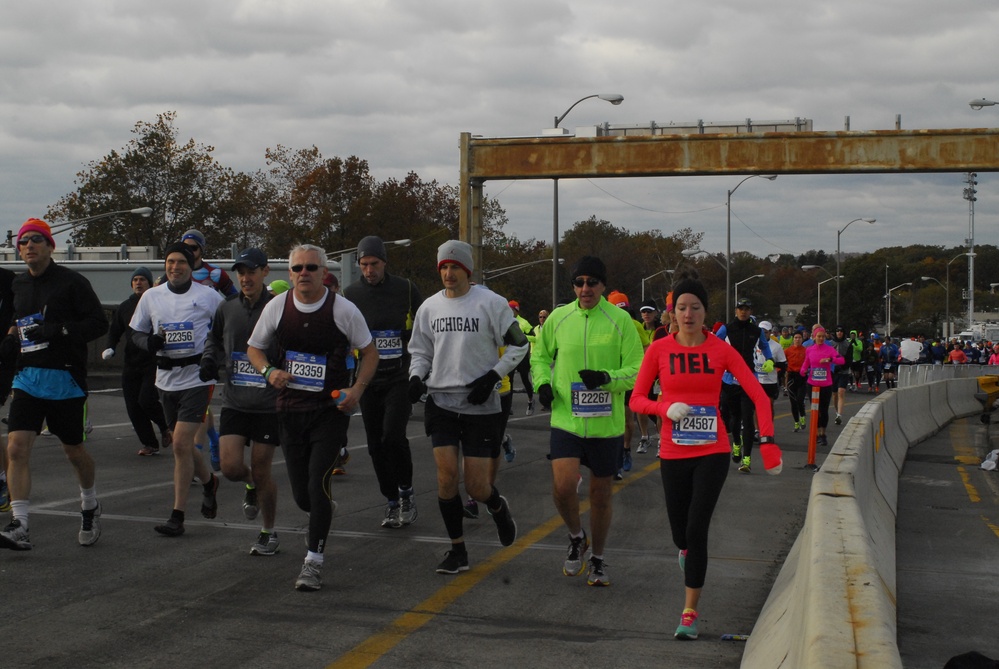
{"x": 371, "y": 246}
{"x": 142, "y": 271}
{"x": 456, "y": 252}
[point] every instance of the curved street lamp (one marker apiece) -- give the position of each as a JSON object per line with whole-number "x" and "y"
{"x": 838, "y": 233}
{"x": 982, "y": 102}
{"x": 662, "y": 271}
{"x": 728, "y": 245}
{"x": 490, "y": 274}
{"x": 901, "y": 285}
{"x": 614, "y": 99}
{"x": 739, "y": 283}
{"x": 66, "y": 226}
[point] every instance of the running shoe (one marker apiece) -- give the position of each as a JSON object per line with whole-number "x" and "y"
{"x": 250, "y": 504}
{"x": 744, "y": 468}
{"x": 839, "y": 419}
{"x": 797, "y": 426}
{"x": 310, "y": 578}
{"x": 267, "y": 544}
{"x": 149, "y": 450}
{"x": 90, "y": 526}
{"x": 643, "y": 445}
{"x": 576, "y": 555}
{"x": 4, "y": 496}
{"x": 598, "y": 572}
{"x": 88, "y": 427}
{"x": 736, "y": 451}
{"x": 626, "y": 466}
{"x": 15, "y": 537}
{"x": 506, "y": 527}
{"x": 338, "y": 468}
{"x": 530, "y": 408}
{"x": 687, "y": 631}
{"x": 453, "y": 562}
{"x": 471, "y": 509}
{"x": 821, "y": 440}
{"x": 508, "y": 448}
{"x": 393, "y": 516}
{"x": 407, "y": 508}
{"x": 209, "y": 505}
{"x": 174, "y": 527}
{"x": 682, "y": 559}
{"x": 619, "y": 475}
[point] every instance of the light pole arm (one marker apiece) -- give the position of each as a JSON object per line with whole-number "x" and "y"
{"x": 71, "y": 225}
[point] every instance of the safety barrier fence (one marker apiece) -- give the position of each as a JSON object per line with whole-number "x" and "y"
{"x": 833, "y": 603}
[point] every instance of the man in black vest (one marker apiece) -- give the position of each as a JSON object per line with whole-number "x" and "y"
{"x": 315, "y": 331}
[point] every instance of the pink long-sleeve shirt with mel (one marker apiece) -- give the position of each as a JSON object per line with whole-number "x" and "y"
{"x": 817, "y": 367}
{"x": 693, "y": 375}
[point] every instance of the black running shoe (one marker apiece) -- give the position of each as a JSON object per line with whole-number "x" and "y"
{"x": 209, "y": 505}
{"x": 506, "y": 527}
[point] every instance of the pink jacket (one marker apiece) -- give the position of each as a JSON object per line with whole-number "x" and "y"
{"x": 817, "y": 367}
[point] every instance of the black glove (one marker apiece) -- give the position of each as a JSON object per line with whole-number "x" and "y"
{"x": 35, "y": 333}
{"x": 593, "y": 379}
{"x": 483, "y": 387}
{"x": 546, "y": 396}
{"x": 416, "y": 389}
{"x": 209, "y": 369}
{"x": 10, "y": 346}
{"x": 51, "y": 331}
{"x": 155, "y": 343}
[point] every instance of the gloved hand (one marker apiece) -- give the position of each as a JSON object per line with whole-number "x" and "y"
{"x": 209, "y": 370}
{"x": 416, "y": 389}
{"x": 483, "y": 387}
{"x": 10, "y": 346}
{"x": 768, "y": 366}
{"x": 107, "y": 353}
{"x": 53, "y": 331}
{"x": 677, "y": 411}
{"x": 772, "y": 460}
{"x": 593, "y": 378}
{"x": 546, "y": 396}
{"x": 155, "y": 343}
{"x": 35, "y": 333}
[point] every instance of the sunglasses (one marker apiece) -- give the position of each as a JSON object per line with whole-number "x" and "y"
{"x": 312, "y": 267}
{"x": 579, "y": 283}
{"x": 34, "y": 239}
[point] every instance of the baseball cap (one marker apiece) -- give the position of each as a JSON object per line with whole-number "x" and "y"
{"x": 649, "y": 305}
{"x": 766, "y": 325}
{"x": 744, "y": 302}
{"x": 252, "y": 258}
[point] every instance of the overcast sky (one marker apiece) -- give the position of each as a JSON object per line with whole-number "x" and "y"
{"x": 395, "y": 83}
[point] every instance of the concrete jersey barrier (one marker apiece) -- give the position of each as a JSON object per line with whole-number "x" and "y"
{"x": 833, "y": 603}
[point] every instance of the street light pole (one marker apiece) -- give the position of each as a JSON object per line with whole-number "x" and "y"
{"x": 949, "y": 330}
{"x": 943, "y": 330}
{"x": 65, "y": 226}
{"x": 728, "y": 242}
{"x": 662, "y": 271}
{"x": 739, "y": 283}
{"x": 838, "y": 233}
{"x": 818, "y": 306}
{"x": 901, "y": 285}
{"x": 614, "y": 99}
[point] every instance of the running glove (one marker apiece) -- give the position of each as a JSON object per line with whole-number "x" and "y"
{"x": 416, "y": 389}
{"x": 768, "y": 366}
{"x": 209, "y": 370}
{"x": 593, "y": 379}
{"x": 483, "y": 387}
{"x": 677, "y": 411}
{"x": 772, "y": 460}
{"x": 546, "y": 396}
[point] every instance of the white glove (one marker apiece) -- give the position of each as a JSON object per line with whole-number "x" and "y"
{"x": 108, "y": 353}
{"x": 677, "y": 411}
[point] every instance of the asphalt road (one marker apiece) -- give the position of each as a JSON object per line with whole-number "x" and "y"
{"x": 137, "y": 599}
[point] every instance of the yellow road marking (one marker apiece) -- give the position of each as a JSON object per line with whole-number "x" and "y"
{"x": 374, "y": 647}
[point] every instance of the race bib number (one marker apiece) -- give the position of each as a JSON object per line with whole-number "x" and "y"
{"x": 388, "y": 343}
{"x": 818, "y": 373}
{"x": 244, "y": 374}
{"x": 308, "y": 370}
{"x": 698, "y": 428}
{"x": 179, "y": 337}
{"x": 888, "y": 366}
{"x": 25, "y": 326}
{"x": 590, "y": 403}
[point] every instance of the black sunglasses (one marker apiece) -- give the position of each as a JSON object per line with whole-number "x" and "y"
{"x": 312, "y": 267}
{"x": 579, "y": 283}
{"x": 34, "y": 239}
